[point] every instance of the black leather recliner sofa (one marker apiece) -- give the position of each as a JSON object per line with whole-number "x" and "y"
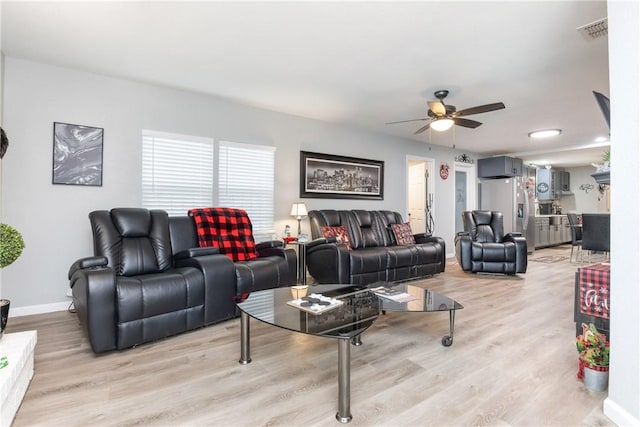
{"x": 375, "y": 254}
{"x": 484, "y": 248}
{"x": 148, "y": 279}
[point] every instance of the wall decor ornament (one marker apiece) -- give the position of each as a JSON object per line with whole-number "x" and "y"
{"x": 4, "y": 143}
{"x": 77, "y": 154}
{"x": 464, "y": 158}
{"x": 339, "y": 177}
{"x": 444, "y": 170}
{"x": 586, "y": 187}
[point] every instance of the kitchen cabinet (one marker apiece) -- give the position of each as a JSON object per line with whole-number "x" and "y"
{"x": 566, "y": 230}
{"x": 552, "y": 230}
{"x": 542, "y": 232}
{"x": 499, "y": 167}
{"x": 555, "y": 234}
{"x": 552, "y": 183}
{"x": 545, "y": 182}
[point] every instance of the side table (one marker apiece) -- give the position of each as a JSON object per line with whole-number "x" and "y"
{"x": 302, "y": 261}
{"x": 18, "y": 347}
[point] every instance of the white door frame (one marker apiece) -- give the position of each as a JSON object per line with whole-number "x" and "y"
{"x": 472, "y": 187}
{"x": 430, "y": 168}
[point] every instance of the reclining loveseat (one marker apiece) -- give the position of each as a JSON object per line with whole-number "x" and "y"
{"x": 362, "y": 247}
{"x": 149, "y": 279}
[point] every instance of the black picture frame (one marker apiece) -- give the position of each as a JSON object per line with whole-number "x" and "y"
{"x": 329, "y": 176}
{"x": 77, "y": 154}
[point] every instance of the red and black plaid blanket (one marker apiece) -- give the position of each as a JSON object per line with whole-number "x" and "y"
{"x": 227, "y": 229}
{"x": 594, "y": 290}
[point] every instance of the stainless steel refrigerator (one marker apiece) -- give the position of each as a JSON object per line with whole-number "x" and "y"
{"x": 515, "y": 198}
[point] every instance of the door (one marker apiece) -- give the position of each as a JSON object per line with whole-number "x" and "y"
{"x": 420, "y": 194}
{"x": 417, "y": 197}
{"x": 465, "y": 191}
{"x": 461, "y": 198}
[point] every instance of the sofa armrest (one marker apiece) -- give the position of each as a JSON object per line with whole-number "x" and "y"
{"x": 271, "y": 248}
{"x": 431, "y": 239}
{"x": 421, "y": 236}
{"x": 320, "y": 241}
{"x": 269, "y": 244}
{"x": 328, "y": 262}
{"x": 512, "y": 234}
{"x": 94, "y": 298}
{"x": 196, "y": 252}
{"x": 463, "y": 248}
{"x": 521, "y": 250}
{"x": 88, "y": 262}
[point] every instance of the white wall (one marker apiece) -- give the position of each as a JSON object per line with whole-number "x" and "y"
{"x": 581, "y": 201}
{"x": 623, "y": 403}
{"x": 53, "y": 218}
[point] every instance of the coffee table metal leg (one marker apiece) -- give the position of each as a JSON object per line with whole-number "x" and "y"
{"x": 357, "y": 340}
{"x": 344, "y": 381}
{"x": 245, "y": 356}
{"x": 448, "y": 339}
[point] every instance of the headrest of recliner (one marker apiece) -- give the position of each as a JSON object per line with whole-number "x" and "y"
{"x": 132, "y": 222}
{"x": 482, "y": 217}
{"x": 363, "y": 217}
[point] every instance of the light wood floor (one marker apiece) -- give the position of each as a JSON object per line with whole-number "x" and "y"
{"x": 513, "y": 362}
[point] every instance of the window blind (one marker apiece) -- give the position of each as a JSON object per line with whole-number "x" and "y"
{"x": 246, "y": 181}
{"x": 177, "y": 172}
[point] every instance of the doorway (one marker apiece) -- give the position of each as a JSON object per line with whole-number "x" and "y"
{"x": 465, "y": 192}
{"x": 420, "y": 189}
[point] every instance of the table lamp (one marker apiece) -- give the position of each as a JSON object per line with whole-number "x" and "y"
{"x": 298, "y": 210}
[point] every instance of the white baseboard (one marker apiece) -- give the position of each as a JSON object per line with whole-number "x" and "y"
{"x": 38, "y": 309}
{"x": 617, "y": 414}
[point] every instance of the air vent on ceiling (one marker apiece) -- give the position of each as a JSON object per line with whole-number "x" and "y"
{"x": 595, "y": 29}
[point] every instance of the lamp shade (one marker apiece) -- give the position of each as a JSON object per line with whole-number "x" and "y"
{"x": 298, "y": 209}
{"x": 441, "y": 125}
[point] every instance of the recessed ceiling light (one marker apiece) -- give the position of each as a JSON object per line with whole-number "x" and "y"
{"x": 546, "y": 133}
{"x": 601, "y": 139}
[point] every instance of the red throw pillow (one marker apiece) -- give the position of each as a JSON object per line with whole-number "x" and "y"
{"x": 339, "y": 232}
{"x": 403, "y": 234}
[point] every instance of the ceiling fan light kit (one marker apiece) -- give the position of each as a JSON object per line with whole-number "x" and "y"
{"x": 441, "y": 117}
{"x": 441, "y": 125}
{"x": 545, "y": 133}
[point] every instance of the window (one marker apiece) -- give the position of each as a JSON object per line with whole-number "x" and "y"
{"x": 246, "y": 181}
{"x": 177, "y": 172}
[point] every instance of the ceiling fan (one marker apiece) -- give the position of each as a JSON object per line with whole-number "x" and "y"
{"x": 441, "y": 116}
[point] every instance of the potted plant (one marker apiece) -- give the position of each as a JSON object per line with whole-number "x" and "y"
{"x": 11, "y": 246}
{"x": 594, "y": 350}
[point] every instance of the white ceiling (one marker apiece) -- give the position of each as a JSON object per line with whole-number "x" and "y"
{"x": 356, "y": 63}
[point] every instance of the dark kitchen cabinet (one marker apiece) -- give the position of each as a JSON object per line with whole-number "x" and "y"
{"x": 499, "y": 167}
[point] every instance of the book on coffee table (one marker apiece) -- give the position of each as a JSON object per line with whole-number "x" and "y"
{"x": 393, "y": 294}
{"x": 315, "y": 303}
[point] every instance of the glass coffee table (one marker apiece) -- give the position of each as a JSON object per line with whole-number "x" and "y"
{"x": 354, "y": 309}
{"x": 422, "y": 301}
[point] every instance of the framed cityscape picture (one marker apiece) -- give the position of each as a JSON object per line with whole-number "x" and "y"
{"x": 340, "y": 177}
{"x": 77, "y": 154}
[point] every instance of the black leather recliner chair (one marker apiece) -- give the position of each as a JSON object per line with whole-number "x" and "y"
{"x": 135, "y": 289}
{"x": 484, "y": 248}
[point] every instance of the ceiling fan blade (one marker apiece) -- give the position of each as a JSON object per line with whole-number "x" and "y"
{"x": 422, "y": 129}
{"x": 480, "y": 109}
{"x": 405, "y": 121}
{"x": 437, "y": 108}
{"x": 466, "y": 123}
